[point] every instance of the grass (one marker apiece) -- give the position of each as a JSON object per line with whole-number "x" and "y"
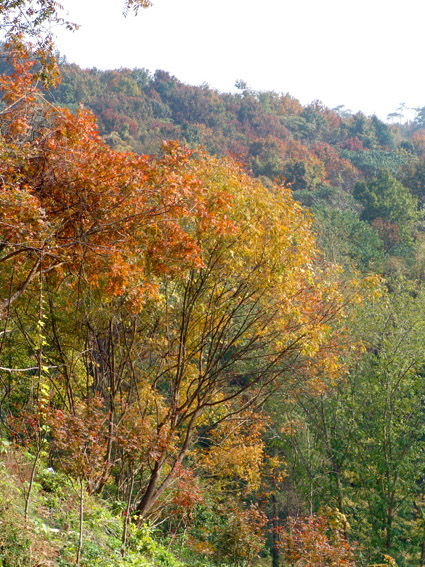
{"x": 50, "y": 538}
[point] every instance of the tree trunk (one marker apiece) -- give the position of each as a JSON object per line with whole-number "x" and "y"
{"x": 127, "y": 513}
{"x": 149, "y": 497}
{"x": 30, "y": 486}
{"x": 275, "y": 539}
{"x": 80, "y": 539}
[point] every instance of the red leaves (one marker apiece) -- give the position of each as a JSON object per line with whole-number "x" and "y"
{"x": 81, "y": 439}
{"x": 354, "y": 144}
{"x": 311, "y": 542}
{"x": 116, "y": 218}
{"x": 187, "y": 493}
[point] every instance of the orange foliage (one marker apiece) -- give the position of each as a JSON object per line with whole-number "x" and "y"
{"x": 187, "y": 492}
{"x": 310, "y": 542}
{"x": 115, "y": 219}
{"x": 418, "y": 141}
{"x": 339, "y": 171}
{"x": 81, "y": 439}
{"x": 242, "y": 303}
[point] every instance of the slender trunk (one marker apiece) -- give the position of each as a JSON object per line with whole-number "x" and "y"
{"x": 6, "y": 303}
{"x": 111, "y": 432}
{"x": 153, "y": 491}
{"x": 80, "y": 539}
{"x": 275, "y": 542}
{"x": 39, "y": 398}
{"x": 100, "y": 485}
{"x": 388, "y": 528}
{"x": 127, "y": 513}
{"x": 30, "y": 486}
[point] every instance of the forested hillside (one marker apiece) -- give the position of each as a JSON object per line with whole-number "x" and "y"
{"x": 321, "y": 154}
{"x": 212, "y": 322}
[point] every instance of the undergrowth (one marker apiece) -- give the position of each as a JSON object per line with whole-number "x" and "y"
{"x": 50, "y": 538}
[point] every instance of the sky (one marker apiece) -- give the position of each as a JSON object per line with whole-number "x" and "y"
{"x": 366, "y": 55}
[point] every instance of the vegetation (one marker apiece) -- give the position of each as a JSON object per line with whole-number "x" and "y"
{"x": 211, "y": 349}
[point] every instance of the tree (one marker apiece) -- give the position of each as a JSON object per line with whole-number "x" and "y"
{"x": 176, "y": 285}
{"x": 65, "y": 192}
{"x": 178, "y": 295}
{"x": 312, "y": 541}
{"x": 383, "y": 133}
{"x": 347, "y": 240}
{"x": 413, "y": 177}
{"x": 235, "y": 327}
{"x": 386, "y": 198}
{"x": 80, "y": 438}
{"x": 359, "y": 126}
{"x": 419, "y": 121}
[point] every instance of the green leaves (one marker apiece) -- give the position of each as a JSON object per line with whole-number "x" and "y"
{"x": 389, "y": 206}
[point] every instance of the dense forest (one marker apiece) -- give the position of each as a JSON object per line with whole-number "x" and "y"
{"x": 322, "y": 155}
{"x": 212, "y": 321}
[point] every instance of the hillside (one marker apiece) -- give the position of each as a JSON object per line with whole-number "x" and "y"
{"x": 211, "y": 322}
{"x": 320, "y": 153}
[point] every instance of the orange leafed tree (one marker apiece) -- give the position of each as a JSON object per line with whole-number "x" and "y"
{"x": 249, "y": 320}
{"x": 312, "y": 541}
{"x": 71, "y": 204}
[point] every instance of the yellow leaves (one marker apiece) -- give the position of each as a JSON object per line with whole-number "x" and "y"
{"x": 200, "y": 546}
{"x": 373, "y": 286}
{"x": 262, "y": 288}
{"x": 274, "y": 462}
{"x": 237, "y": 450}
{"x": 335, "y": 519}
{"x": 388, "y": 561}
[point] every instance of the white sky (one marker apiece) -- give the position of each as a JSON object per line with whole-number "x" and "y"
{"x": 367, "y": 55}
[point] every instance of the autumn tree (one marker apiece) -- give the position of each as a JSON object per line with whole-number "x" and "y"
{"x": 187, "y": 296}
{"x": 80, "y": 438}
{"x": 312, "y": 541}
{"x": 236, "y": 326}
